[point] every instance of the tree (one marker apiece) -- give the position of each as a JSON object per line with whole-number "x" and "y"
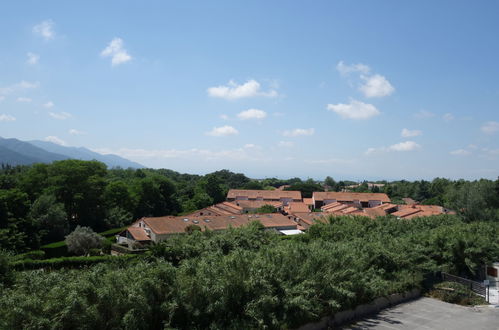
{"x": 118, "y": 217}
{"x": 266, "y": 209}
{"x": 82, "y": 239}
{"x": 79, "y": 185}
{"x": 329, "y": 181}
{"x": 50, "y": 217}
{"x": 6, "y": 274}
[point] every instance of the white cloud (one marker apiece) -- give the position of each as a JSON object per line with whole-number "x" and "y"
{"x": 2, "y": 98}
{"x": 223, "y": 131}
{"x": 76, "y": 132}
{"x": 299, "y": 132}
{"x": 4, "y": 117}
{"x": 398, "y": 147}
{"x": 423, "y": 114}
{"x": 354, "y": 110}
{"x": 460, "y": 152}
{"x": 376, "y": 86}
{"x": 32, "y": 58}
{"x": 24, "y": 99}
{"x": 404, "y": 146}
{"x": 252, "y": 114}
{"x": 115, "y": 50}
{"x": 45, "y": 30}
{"x": 224, "y": 117}
{"x": 49, "y": 105}
{"x": 285, "y": 144}
{"x": 56, "y": 140}
{"x": 410, "y": 133}
{"x": 345, "y": 69}
{"x": 60, "y": 115}
{"x": 233, "y": 91}
{"x": 448, "y": 117}
{"x": 490, "y": 127}
{"x": 20, "y": 86}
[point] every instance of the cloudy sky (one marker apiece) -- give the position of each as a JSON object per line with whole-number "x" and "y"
{"x": 350, "y": 89}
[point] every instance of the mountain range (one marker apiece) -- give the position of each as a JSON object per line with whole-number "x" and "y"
{"x": 17, "y": 152}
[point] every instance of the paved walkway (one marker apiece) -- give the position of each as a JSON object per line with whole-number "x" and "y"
{"x": 428, "y": 313}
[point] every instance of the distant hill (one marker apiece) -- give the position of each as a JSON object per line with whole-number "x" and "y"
{"x": 17, "y": 152}
{"x": 86, "y": 154}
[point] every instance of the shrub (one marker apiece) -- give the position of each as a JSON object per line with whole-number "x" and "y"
{"x": 82, "y": 240}
{"x": 456, "y": 293}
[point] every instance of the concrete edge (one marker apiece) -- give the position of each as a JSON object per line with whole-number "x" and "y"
{"x": 361, "y": 311}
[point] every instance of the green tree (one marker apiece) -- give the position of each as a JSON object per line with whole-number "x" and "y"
{"x": 50, "y": 217}
{"x": 82, "y": 240}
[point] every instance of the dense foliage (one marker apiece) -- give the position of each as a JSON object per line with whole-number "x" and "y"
{"x": 249, "y": 278}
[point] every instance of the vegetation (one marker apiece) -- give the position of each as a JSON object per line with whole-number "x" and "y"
{"x": 456, "y": 293}
{"x": 248, "y": 277}
{"x": 43, "y": 203}
{"x": 82, "y": 240}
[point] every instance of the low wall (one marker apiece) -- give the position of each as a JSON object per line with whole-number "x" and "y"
{"x": 375, "y": 306}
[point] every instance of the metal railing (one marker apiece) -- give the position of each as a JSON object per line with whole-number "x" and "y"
{"x": 477, "y": 287}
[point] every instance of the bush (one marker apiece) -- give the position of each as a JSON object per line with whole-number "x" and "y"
{"x": 82, "y": 240}
{"x": 66, "y": 262}
{"x": 34, "y": 255}
{"x": 456, "y": 293}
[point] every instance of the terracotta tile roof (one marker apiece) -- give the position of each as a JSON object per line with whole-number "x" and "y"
{"x": 420, "y": 214}
{"x": 138, "y": 234}
{"x": 385, "y": 206}
{"x": 246, "y": 204}
{"x": 175, "y": 225}
{"x": 350, "y": 196}
{"x": 405, "y": 212}
{"x": 374, "y": 212}
{"x": 309, "y": 217}
{"x": 294, "y": 207}
{"x": 224, "y": 208}
{"x": 336, "y": 208}
{"x": 308, "y": 201}
{"x": 349, "y": 210}
{"x": 331, "y": 206}
{"x": 265, "y": 194}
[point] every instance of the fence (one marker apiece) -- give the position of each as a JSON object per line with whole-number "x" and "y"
{"x": 477, "y": 287}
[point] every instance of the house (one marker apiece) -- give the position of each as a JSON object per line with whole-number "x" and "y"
{"x": 295, "y": 207}
{"x": 264, "y": 195}
{"x": 224, "y": 208}
{"x": 418, "y": 210}
{"x": 253, "y": 205}
{"x": 158, "y": 229}
{"x": 363, "y": 200}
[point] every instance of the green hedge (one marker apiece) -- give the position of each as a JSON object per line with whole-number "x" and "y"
{"x": 66, "y": 262}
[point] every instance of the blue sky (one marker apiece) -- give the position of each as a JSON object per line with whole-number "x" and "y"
{"x": 350, "y": 89}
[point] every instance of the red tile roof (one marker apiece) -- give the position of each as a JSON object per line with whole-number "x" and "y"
{"x": 265, "y": 194}
{"x": 138, "y": 234}
{"x": 350, "y": 196}
{"x": 308, "y": 201}
{"x": 173, "y": 225}
{"x": 247, "y": 204}
{"x": 294, "y": 207}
